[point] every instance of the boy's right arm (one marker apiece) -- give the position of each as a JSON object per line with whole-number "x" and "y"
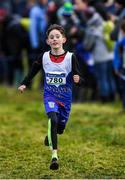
{"x": 37, "y": 65}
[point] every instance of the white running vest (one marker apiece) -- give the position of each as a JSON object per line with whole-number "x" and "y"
{"x": 56, "y": 73}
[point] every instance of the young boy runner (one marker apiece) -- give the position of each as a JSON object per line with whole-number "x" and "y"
{"x": 60, "y": 69}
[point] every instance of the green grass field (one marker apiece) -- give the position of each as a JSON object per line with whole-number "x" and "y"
{"x": 93, "y": 145}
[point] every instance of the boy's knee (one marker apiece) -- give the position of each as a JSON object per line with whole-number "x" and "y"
{"x": 53, "y": 117}
{"x": 54, "y": 122}
{"x": 60, "y": 129}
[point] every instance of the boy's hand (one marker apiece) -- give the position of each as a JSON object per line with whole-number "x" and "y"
{"x": 22, "y": 88}
{"x": 76, "y": 78}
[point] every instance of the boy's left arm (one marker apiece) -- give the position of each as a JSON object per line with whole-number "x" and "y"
{"x": 76, "y": 71}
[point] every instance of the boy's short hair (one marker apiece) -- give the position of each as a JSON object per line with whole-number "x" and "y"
{"x": 123, "y": 26}
{"x": 57, "y": 27}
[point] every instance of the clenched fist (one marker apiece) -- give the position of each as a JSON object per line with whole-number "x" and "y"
{"x": 22, "y": 88}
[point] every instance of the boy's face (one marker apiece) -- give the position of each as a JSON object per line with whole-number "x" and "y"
{"x": 55, "y": 39}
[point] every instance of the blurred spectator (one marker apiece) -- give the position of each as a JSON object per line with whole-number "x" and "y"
{"x": 38, "y": 25}
{"x": 6, "y": 4}
{"x": 86, "y": 61}
{"x": 12, "y": 34}
{"x": 27, "y": 7}
{"x": 81, "y": 6}
{"x": 120, "y": 15}
{"x": 66, "y": 10}
{"x": 102, "y": 56}
{"x": 52, "y": 13}
{"x": 68, "y": 18}
{"x": 37, "y": 29}
{"x": 18, "y": 6}
{"x": 99, "y": 6}
{"x": 110, "y": 6}
{"x": 119, "y": 62}
{"x": 25, "y": 21}
{"x": 70, "y": 22}
{"x": 59, "y": 3}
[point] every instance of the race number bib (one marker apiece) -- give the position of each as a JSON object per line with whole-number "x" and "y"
{"x": 56, "y": 79}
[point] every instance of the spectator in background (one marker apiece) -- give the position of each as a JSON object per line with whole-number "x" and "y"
{"x": 120, "y": 15}
{"x": 12, "y": 34}
{"x": 3, "y": 65}
{"x": 119, "y": 62}
{"x": 25, "y": 22}
{"x": 59, "y": 3}
{"x": 116, "y": 34}
{"x": 18, "y": 7}
{"x": 80, "y": 6}
{"x": 69, "y": 18}
{"x": 110, "y": 6}
{"x": 37, "y": 29}
{"x": 70, "y": 22}
{"x": 85, "y": 56}
{"x": 102, "y": 56}
{"x": 103, "y": 6}
{"x": 28, "y": 6}
{"x": 52, "y": 12}
{"x": 38, "y": 26}
{"x": 6, "y": 4}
